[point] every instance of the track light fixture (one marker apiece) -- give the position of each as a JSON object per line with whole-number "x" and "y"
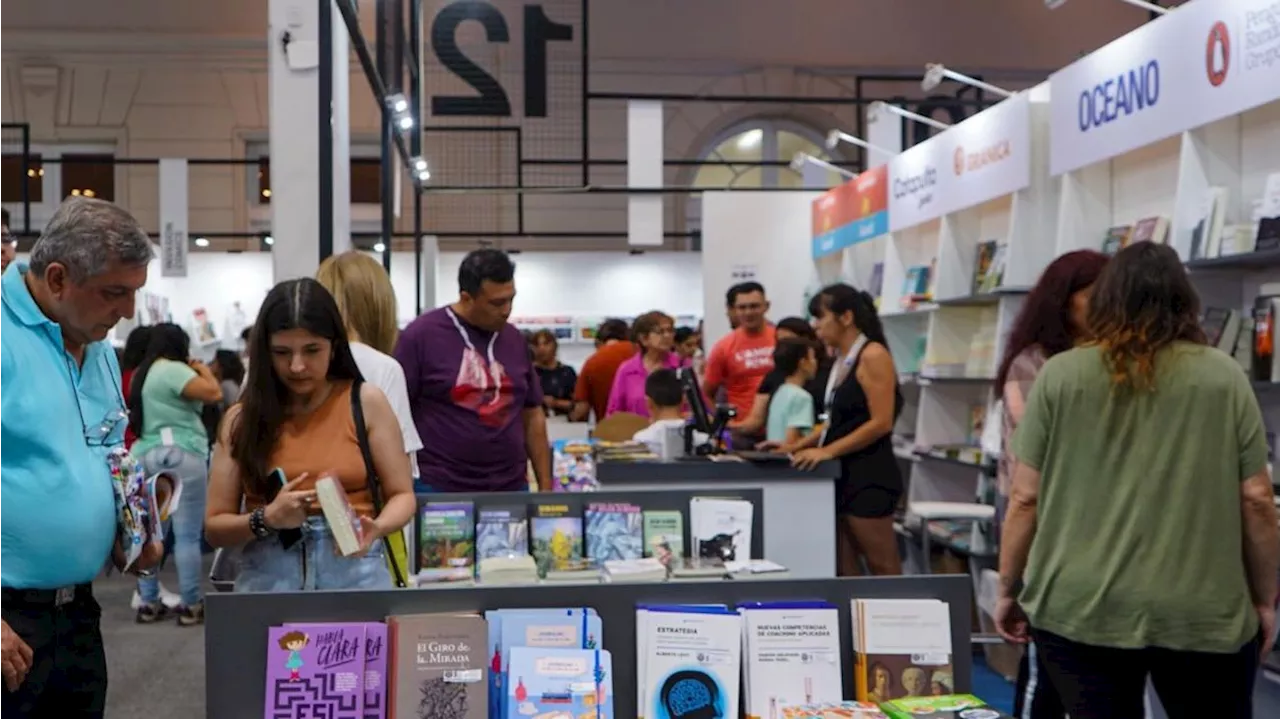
{"x": 835, "y": 137}
{"x": 1148, "y": 6}
{"x": 803, "y": 158}
{"x": 879, "y": 107}
{"x": 935, "y": 73}
{"x": 398, "y": 103}
{"x": 420, "y": 169}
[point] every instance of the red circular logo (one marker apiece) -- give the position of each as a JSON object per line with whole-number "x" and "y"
{"x": 958, "y": 161}
{"x": 1217, "y": 54}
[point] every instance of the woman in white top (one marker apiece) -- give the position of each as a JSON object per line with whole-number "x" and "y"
{"x": 367, "y": 302}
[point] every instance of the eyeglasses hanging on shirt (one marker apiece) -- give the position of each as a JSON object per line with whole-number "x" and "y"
{"x": 109, "y": 431}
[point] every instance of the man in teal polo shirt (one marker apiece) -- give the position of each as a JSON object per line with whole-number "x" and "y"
{"x": 61, "y": 413}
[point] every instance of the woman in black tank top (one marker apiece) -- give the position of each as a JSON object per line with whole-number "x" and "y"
{"x": 863, "y": 401}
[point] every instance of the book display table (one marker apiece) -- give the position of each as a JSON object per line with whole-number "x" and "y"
{"x": 238, "y": 624}
{"x": 797, "y": 507}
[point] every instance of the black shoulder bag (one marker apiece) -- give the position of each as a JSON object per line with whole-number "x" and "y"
{"x": 371, "y": 478}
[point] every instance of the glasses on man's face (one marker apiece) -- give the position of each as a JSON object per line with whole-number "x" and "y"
{"x": 749, "y": 307}
{"x": 107, "y": 432}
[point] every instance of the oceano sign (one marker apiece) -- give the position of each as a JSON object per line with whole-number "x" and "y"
{"x": 1127, "y": 93}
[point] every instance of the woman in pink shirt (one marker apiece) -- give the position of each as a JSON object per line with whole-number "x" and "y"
{"x": 655, "y": 333}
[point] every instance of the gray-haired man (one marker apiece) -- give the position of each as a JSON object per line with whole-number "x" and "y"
{"x": 61, "y": 412}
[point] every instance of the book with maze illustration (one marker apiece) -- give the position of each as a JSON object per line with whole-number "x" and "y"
{"x": 315, "y": 670}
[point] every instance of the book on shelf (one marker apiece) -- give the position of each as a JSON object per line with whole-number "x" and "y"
{"x": 947, "y": 706}
{"x": 578, "y": 628}
{"x": 647, "y": 569}
{"x": 876, "y": 284}
{"x": 556, "y": 531}
{"x": 1221, "y": 328}
{"x": 984, "y": 256}
{"x": 315, "y": 670}
{"x": 993, "y": 277}
{"x": 698, "y": 568}
{"x": 438, "y": 666}
{"x": 693, "y": 662}
{"x": 1207, "y": 235}
{"x": 613, "y": 531}
{"x": 501, "y": 531}
{"x": 1266, "y": 312}
{"x": 1150, "y": 229}
{"x": 1116, "y": 239}
{"x": 902, "y": 648}
{"x": 915, "y": 286}
{"x": 553, "y": 683}
{"x": 834, "y": 710}
{"x": 791, "y": 656}
{"x": 377, "y": 651}
{"x": 446, "y": 541}
{"x": 343, "y": 521}
{"x": 664, "y": 534}
{"x": 1268, "y": 237}
{"x": 511, "y": 569}
{"x": 721, "y": 528}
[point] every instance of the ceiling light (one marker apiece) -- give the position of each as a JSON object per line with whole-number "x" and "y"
{"x": 750, "y": 139}
{"x": 935, "y": 73}
{"x": 266, "y": 193}
{"x": 419, "y": 164}
{"x": 835, "y": 137}
{"x": 397, "y": 102}
{"x": 202, "y": 242}
{"x": 406, "y": 122}
{"x": 269, "y": 240}
{"x": 879, "y": 107}
{"x": 379, "y": 247}
{"x": 801, "y": 159}
{"x": 424, "y": 175}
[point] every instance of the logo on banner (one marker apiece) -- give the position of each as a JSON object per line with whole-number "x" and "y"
{"x": 989, "y": 155}
{"x": 918, "y": 188}
{"x": 1217, "y": 54}
{"x": 1118, "y": 97}
{"x": 958, "y": 161}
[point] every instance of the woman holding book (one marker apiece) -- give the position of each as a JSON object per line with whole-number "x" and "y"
{"x": 1053, "y": 319}
{"x": 298, "y": 415}
{"x": 1140, "y": 539}
{"x": 862, "y": 402}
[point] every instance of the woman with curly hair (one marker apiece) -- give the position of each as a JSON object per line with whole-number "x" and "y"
{"x": 1141, "y": 538}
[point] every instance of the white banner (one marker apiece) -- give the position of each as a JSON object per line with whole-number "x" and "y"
{"x": 985, "y": 157}
{"x": 1202, "y": 62}
{"x": 173, "y": 218}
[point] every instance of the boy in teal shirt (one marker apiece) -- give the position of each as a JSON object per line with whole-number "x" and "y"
{"x": 791, "y": 407}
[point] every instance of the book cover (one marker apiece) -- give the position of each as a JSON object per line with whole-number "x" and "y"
{"x": 558, "y": 629}
{"x": 614, "y": 531}
{"x": 693, "y": 660}
{"x": 791, "y": 656}
{"x": 501, "y": 531}
{"x": 446, "y": 536}
{"x": 438, "y": 666}
{"x": 339, "y": 515}
{"x": 664, "y": 534}
{"x": 1117, "y": 239}
{"x": 833, "y": 710}
{"x": 315, "y": 670}
{"x": 984, "y": 255}
{"x": 949, "y": 706}
{"x": 376, "y": 654}
{"x": 557, "y": 536}
{"x": 560, "y": 684}
{"x": 993, "y": 278}
{"x": 721, "y": 528}
{"x": 902, "y": 648}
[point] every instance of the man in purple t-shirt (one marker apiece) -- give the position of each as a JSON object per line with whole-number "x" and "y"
{"x": 472, "y": 385}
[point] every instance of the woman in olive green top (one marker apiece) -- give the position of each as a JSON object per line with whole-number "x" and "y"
{"x": 1141, "y": 520}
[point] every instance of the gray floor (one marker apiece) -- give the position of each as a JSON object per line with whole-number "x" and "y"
{"x": 156, "y": 670}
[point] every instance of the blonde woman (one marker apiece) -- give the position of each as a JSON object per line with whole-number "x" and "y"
{"x": 367, "y": 303}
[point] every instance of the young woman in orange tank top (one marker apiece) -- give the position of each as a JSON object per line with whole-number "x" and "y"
{"x": 296, "y": 415}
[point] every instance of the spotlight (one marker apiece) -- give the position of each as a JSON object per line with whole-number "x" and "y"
{"x": 801, "y": 159}
{"x": 879, "y": 107}
{"x": 935, "y": 73}
{"x": 419, "y": 164}
{"x": 405, "y": 122}
{"x": 835, "y": 137}
{"x": 269, "y": 240}
{"x": 1149, "y": 6}
{"x": 202, "y": 242}
{"x": 398, "y": 102}
{"x": 424, "y": 175}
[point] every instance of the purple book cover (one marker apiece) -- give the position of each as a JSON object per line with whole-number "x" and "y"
{"x": 315, "y": 670}
{"x": 376, "y": 651}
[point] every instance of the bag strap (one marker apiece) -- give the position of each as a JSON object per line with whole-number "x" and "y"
{"x": 371, "y": 475}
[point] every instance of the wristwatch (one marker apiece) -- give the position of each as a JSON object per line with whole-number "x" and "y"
{"x": 258, "y": 523}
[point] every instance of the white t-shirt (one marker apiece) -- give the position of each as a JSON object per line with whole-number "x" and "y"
{"x": 385, "y": 373}
{"x": 655, "y": 434}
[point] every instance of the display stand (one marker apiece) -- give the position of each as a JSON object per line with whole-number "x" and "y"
{"x": 236, "y": 624}
{"x": 795, "y": 507}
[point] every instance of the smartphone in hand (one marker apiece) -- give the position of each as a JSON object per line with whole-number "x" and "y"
{"x": 288, "y": 537}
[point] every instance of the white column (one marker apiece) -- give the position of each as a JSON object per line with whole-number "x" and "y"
{"x": 174, "y": 205}
{"x": 431, "y": 275}
{"x": 293, "y": 90}
{"x": 644, "y": 170}
{"x": 884, "y": 130}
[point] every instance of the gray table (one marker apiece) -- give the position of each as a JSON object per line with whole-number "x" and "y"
{"x": 799, "y": 507}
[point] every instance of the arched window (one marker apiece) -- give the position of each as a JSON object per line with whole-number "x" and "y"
{"x": 765, "y": 148}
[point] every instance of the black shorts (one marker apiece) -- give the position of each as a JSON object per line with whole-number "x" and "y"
{"x": 868, "y": 502}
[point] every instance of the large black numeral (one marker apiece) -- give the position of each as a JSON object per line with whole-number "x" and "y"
{"x": 538, "y": 31}
{"x": 492, "y": 100}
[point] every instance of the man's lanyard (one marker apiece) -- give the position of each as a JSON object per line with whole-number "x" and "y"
{"x": 466, "y": 339}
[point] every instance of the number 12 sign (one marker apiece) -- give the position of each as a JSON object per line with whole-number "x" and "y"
{"x": 491, "y": 99}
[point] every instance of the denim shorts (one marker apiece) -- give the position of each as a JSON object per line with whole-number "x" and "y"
{"x": 311, "y": 564}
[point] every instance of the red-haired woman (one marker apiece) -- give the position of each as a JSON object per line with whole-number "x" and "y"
{"x": 1052, "y": 320}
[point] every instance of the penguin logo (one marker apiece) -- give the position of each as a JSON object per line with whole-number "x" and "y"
{"x": 1217, "y": 54}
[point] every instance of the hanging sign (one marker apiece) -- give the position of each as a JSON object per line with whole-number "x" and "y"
{"x": 173, "y": 218}
{"x": 854, "y": 212}
{"x": 1200, "y": 63}
{"x": 985, "y": 157}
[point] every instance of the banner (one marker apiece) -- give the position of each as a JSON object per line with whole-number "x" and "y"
{"x": 854, "y": 212}
{"x": 173, "y": 218}
{"x": 985, "y": 157}
{"x": 1200, "y": 63}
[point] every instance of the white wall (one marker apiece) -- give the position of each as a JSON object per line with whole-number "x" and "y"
{"x": 768, "y": 232}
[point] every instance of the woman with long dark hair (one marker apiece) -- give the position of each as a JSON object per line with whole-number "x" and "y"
{"x": 168, "y": 393}
{"x": 862, "y": 402}
{"x": 135, "y": 350}
{"x": 297, "y": 414}
{"x": 1053, "y": 319}
{"x": 1140, "y": 526}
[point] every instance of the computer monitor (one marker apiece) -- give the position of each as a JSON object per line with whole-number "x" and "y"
{"x": 703, "y": 419}
{"x": 697, "y": 401}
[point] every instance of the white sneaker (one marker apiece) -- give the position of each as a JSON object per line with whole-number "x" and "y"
{"x": 167, "y": 598}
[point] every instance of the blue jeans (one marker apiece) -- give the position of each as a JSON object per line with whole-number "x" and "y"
{"x": 186, "y": 521}
{"x": 311, "y": 564}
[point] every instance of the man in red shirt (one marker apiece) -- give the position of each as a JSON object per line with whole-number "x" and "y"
{"x": 744, "y": 356}
{"x": 591, "y": 394}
